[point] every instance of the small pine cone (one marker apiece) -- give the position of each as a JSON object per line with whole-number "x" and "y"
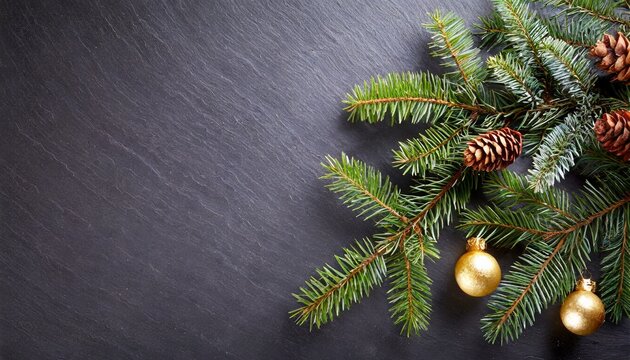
{"x": 613, "y": 132}
{"x": 494, "y": 150}
{"x": 612, "y": 52}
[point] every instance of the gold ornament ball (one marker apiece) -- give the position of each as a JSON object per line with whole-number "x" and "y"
{"x": 477, "y": 273}
{"x": 583, "y": 312}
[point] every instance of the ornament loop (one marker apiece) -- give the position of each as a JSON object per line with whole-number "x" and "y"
{"x": 586, "y": 285}
{"x": 476, "y": 244}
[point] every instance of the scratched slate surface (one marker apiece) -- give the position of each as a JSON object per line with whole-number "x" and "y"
{"x": 160, "y": 195}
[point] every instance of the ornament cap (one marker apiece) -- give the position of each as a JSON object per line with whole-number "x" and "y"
{"x": 476, "y": 244}
{"x": 586, "y": 285}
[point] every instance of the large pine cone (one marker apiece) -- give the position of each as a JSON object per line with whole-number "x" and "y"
{"x": 613, "y": 132}
{"x": 494, "y": 150}
{"x": 612, "y": 52}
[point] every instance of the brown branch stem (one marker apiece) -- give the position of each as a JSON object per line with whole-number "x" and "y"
{"x": 532, "y": 282}
{"x": 612, "y": 19}
{"x": 475, "y": 108}
{"x": 432, "y": 150}
{"x": 589, "y": 219}
{"x": 541, "y": 203}
{"x": 367, "y": 193}
{"x": 454, "y": 55}
{"x": 367, "y": 261}
{"x": 409, "y": 287}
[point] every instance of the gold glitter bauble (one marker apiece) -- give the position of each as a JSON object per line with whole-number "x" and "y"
{"x": 583, "y": 312}
{"x": 477, "y": 273}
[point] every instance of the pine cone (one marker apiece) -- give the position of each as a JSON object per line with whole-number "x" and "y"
{"x": 613, "y": 56}
{"x": 613, "y": 132}
{"x": 494, "y": 150}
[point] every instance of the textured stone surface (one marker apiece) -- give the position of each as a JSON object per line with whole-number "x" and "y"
{"x": 160, "y": 194}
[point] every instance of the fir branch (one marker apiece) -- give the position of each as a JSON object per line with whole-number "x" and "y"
{"x": 492, "y": 217}
{"x": 615, "y": 283}
{"x": 603, "y": 10}
{"x": 569, "y": 66}
{"x": 525, "y": 32}
{"x": 453, "y": 43}
{"x": 589, "y": 219}
{"x": 420, "y": 97}
{"x": 537, "y": 121}
{"x": 508, "y": 189}
{"x": 363, "y": 189}
{"x": 421, "y": 154}
{"x": 539, "y": 278}
{"x": 435, "y": 203}
{"x": 504, "y": 226}
{"x": 361, "y": 268}
{"x": 409, "y": 294}
{"x": 598, "y": 163}
{"x": 510, "y": 72}
{"x": 563, "y": 247}
{"x": 557, "y": 122}
{"x": 492, "y": 30}
{"x": 525, "y": 293}
{"x": 443, "y": 190}
{"x": 443, "y": 195}
{"x": 579, "y": 30}
{"x": 558, "y": 151}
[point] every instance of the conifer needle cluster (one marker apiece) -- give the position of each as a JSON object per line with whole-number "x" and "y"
{"x": 540, "y": 82}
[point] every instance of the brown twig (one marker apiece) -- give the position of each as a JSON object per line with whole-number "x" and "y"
{"x": 564, "y": 233}
{"x": 475, "y": 108}
{"x": 588, "y": 220}
{"x": 401, "y": 236}
{"x": 532, "y": 282}
{"x": 379, "y": 251}
{"x": 432, "y": 150}
{"x": 409, "y": 287}
{"x": 452, "y": 51}
{"x": 373, "y": 197}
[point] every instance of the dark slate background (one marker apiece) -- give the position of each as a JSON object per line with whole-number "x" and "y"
{"x": 160, "y": 193}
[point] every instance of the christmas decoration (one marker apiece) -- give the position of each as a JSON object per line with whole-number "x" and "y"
{"x": 582, "y": 312}
{"x": 613, "y": 132}
{"x": 494, "y": 150}
{"x": 540, "y": 82}
{"x": 477, "y": 273}
{"x": 612, "y": 52}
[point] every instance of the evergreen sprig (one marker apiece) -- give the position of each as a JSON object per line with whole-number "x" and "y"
{"x": 615, "y": 283}
{"x": 453, "y": 43}
{"x": 409, "y": 293}
{"x": 422, "y": 154}
{"x": 509, "y": 71}
{"x": 541, "y": 82}
{"x": 492, "y": 30}
{"x": 540, "y": 277}
{"x": 523, "y": 31}
{"x": 569, "y": 66}
{"x": 579, "y": 30}
{"x": 605, "y": 11}
{"x": 364, "y": 189}
{"x": 360, "y": 269}
{"x": 559, "y": 238}
{"x": 558, "y": 150}
{"x": 419, "y": 97}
